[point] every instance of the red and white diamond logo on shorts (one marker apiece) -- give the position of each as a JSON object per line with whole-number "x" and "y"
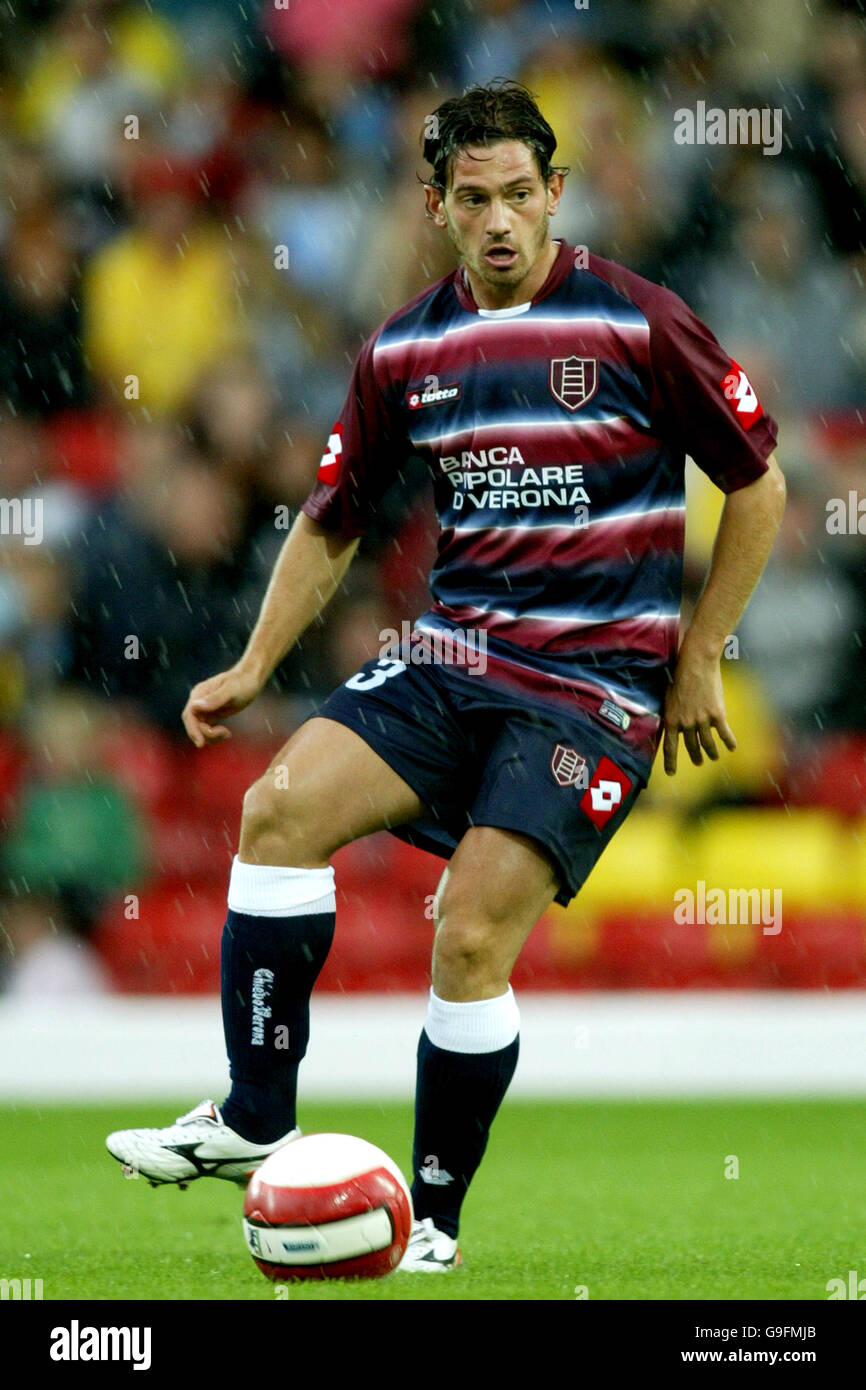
{"x": 742, "y": 396}
{"x": 329, "y": 467}
{"x": 566, "y": 764}
{"x": 606, "y": 793}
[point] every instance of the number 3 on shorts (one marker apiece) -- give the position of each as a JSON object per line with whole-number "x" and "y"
{"x": 368, "y": 680}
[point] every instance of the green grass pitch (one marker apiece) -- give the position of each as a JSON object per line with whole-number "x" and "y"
{"x": 626, "y": 1200}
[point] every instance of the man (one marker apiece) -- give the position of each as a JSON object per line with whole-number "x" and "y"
{"x": 554, "y": 396}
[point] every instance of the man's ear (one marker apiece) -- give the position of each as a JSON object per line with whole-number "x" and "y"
{"x": 435, "y": 201}
{"x": 554, "y": 191}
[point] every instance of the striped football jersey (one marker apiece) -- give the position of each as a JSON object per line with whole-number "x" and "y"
{"x": 556, "y": 434}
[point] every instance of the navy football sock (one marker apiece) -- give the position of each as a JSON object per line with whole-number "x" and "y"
{"x": 269, "y": 967}
{"x": 456, "y": 1100}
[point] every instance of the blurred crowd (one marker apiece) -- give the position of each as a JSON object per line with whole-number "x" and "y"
{"x": 206, "y": 206}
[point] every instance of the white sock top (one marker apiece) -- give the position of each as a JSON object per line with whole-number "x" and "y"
{"x": 483, "y": 1025}
{"x": 270, "y": 890}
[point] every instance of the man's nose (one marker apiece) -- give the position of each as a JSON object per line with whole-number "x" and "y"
{"x": 497, "y": 219}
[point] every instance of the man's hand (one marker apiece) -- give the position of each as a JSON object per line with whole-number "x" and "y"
{"x": 219, "y": 697}
{"x": 695, "y": 705}
{"x": 308, "y": 571}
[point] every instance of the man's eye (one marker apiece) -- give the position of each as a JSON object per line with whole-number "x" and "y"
{"x": 521, "y": 193}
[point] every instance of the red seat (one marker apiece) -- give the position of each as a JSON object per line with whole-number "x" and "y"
{"x": 382, "y": 943}
{"x": 815, "y": 951}
{"x": 13, "y": 764}
{"x": 831, "y": 774}
{"x": 220, "y": 775}
{"x": 382, "y": 858}
{"x": 649, "y": 950}
{"x": 416, "y": 869}
{"x": 86, "y": 445}
{"x": 143, "y": 760}
{"x": 172, "y": 947}
{"x": 195, "y": 812}
{"x": 541, "y": 967}
{"x": 191, "y": 847}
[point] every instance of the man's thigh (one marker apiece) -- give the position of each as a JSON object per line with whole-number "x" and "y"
{"x": 407, "y": 715}
{"x": 324, "y": 788}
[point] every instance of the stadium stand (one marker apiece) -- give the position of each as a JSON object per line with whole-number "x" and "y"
{"x": 164, "y": 378}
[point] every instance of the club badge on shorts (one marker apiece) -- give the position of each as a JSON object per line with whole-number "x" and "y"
{"x": 568, "y": 767}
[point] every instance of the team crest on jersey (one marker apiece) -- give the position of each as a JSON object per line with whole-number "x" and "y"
{"x": 568, "y": 767}
{"x": 573, "y": 380}
{"x": 742, "y": 395}
{"x": 329, "y": 466}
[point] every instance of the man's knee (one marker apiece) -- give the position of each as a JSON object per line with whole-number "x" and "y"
{"x": 483, "y": 917}
{"x": 278, "y": 823}
{"x": 263, "y": 806}
{"x": 466, "y": 946}
{"x": 471, "y": 933}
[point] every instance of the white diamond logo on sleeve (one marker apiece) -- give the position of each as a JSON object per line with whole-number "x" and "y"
{"x": 742, "y": 395}
{"x": 329, "y": 468}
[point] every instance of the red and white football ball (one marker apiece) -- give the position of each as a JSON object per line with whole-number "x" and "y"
{"x": 327, "y": 1206}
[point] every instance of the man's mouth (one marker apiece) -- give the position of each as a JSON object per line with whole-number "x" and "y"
{"x": 503, "y": 257}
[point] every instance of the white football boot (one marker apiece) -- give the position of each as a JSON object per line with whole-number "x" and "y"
{"x": 197, "y": 1145}
{"x": 429, "y": 1251}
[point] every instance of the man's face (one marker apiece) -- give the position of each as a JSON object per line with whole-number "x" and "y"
{"x": 496, "y": 210}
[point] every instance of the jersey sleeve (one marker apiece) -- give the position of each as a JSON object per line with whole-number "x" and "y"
{"x": 366, "y": 447}
{"x": 709, "y": 405}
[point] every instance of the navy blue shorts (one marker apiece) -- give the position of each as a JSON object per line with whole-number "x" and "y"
{"x": 478, "y": 756}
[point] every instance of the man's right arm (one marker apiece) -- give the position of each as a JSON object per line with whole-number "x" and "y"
{"x": 308, "y": 571}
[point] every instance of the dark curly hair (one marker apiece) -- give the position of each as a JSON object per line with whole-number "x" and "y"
{"x": 500, "y": 110}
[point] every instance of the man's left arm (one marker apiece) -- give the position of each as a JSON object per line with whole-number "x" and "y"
{"x": 695, "y": 702}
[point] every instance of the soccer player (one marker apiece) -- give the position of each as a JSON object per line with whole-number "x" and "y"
{"x": 554, "y": 396}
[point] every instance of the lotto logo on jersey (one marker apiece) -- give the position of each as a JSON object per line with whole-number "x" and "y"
{"x": 606, "y": 793}
{"x": 742, "y": 395}
{"x": 431, "y": 393}
{"x": 329, "y": 467}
